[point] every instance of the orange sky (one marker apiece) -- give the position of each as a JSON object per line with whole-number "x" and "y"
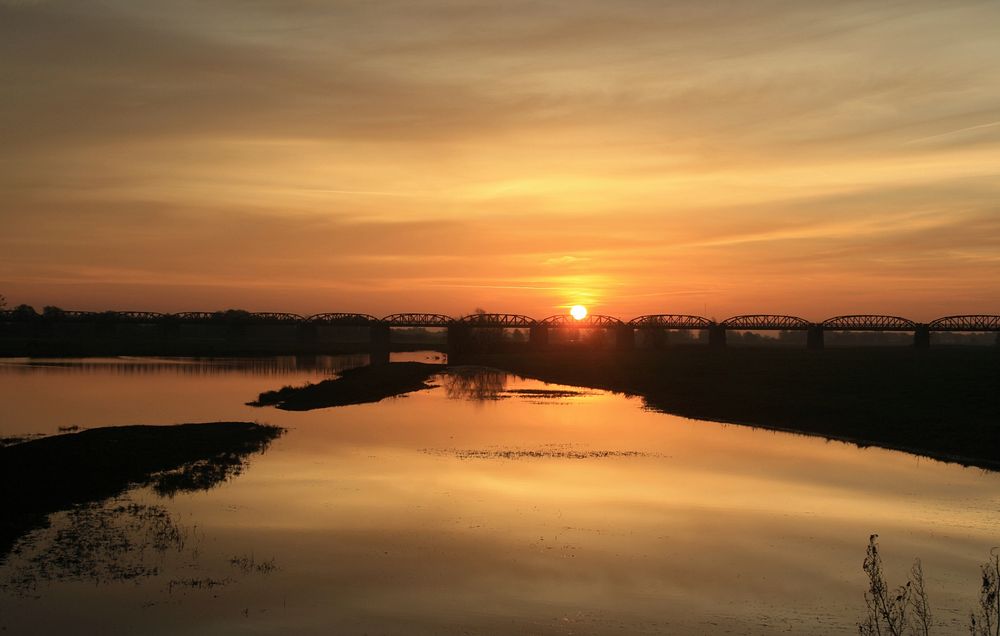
{"x": 812, "y": 158}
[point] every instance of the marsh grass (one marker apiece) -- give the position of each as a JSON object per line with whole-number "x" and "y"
{"x": 120, "y": 540}
{"x": 203, "y": 583}
{"x": 248, "y": 565}
{"x": 901, "y": 611}
{"x": 985, "y": 620}
{"x": 906, "y": 611}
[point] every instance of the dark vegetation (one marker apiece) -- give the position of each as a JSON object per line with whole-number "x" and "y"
{"x": 42, "y": 476}
{"x": 53, "y": 332}
{"x": 354, "y": 386}
{"x": 894, "y": 612}
{"x": 943, "y": 403}
{"x": 113, "y": 541}
{"x": 906, "y": 610}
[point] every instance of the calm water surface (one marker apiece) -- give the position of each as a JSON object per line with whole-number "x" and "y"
{"x": 490, "y": 504}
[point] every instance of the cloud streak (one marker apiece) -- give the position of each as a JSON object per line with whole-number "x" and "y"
{"x": 649, "y": 156}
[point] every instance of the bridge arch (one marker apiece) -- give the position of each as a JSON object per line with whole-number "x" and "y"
{"x": 417, "y": 320}
{"x": 767, "y": 322}
{"x": 196, "y": 316}
{"x": 869, "y": 322}
{"x": 970, "y": 322}
{"x": 670, "y": 321}
{"x": 503, "y": 321}
{"x": 276, "y": 317}
{"x": 590, "y": 321}
{"x": 344, "y": 319}
{"x": 141, "y": 316}
{"x": 77, "y": 315}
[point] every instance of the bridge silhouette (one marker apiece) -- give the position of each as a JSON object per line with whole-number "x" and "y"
{"x": 459, "y": 329}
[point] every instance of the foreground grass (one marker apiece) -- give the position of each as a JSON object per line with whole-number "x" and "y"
{"x": 943, "y": 403}
{"x": 354, "y": 386}
{"x": 41, "y": 476}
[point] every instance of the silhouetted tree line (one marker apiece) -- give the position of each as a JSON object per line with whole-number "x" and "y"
{"x": 49, "y": 312}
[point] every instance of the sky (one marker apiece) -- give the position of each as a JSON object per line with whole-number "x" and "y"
{"x": 811, "y": 158}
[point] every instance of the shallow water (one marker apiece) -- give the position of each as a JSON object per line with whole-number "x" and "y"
{"x": 491, "y": 504}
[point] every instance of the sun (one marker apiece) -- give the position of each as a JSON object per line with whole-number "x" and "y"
{"x": 578, "y": 311}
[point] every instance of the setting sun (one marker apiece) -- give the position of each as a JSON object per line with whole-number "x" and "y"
{"x": 578, "y": 311}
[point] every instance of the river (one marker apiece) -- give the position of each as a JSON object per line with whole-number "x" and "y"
{"x": 490, "y": 504}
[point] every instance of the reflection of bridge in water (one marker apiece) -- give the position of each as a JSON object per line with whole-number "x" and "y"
{"x": 462, "y": 331}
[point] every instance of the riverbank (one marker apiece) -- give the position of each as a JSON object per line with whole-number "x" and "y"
{"x": 941, "y": 403}
{"x": 41, "y": 476}
{"x": 353, "y": 386}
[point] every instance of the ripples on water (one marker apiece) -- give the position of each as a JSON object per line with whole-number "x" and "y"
{"x": 491, "y": 504}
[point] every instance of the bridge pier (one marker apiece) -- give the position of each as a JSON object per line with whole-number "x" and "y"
{"x": 717, "y": 336}
{"x": 458, "y": 338}
{"x": 922, "y": 337}
{"x": 170, "y": 331}
{"x": 814, "y": 337}
{"x": 538, "y": 337}
{"x": 380, "y": 340}
{"x": 624, "y": 338}
{"x": 236, "y": 333}
{"x": 105, "y": 329}
{"x": 657, "y": 338}
{"x": 307, "y": 334}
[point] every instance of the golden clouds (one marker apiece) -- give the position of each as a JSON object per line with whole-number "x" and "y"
{"x": 649, "y": 156}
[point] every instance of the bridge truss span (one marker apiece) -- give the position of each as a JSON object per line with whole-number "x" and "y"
{"x": 497, "y": 321}
{"x": 590, "y": 321}
{"x": 417, "y": 320}
{"x": 869, "y": 322}
{"x": 273, "y": 317}
{"x": 767, "y": 322}
{"x": 342, "y": 319}
{"x": 971, "y": 322}
{"x": 75, "y": 315}
{"x": 670, "y": 321}
{"x": 141, "y": 316}
{"x": 196, "y": 316}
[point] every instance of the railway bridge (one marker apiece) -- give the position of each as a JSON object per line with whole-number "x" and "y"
{"x": 467, "y": 332}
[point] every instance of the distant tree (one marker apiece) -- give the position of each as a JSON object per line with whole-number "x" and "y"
{"x": 51, "y": 312}
{"x": 25, "y": 311}
{"x": 3, "y": 301}
{"x": 232, "y": 315}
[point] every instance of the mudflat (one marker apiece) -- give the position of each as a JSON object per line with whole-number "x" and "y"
{"x": 41, "y": 476}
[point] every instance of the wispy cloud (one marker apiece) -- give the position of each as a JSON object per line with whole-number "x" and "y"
{"x": 645, "y": 154}
{"x": 951, "y": 134}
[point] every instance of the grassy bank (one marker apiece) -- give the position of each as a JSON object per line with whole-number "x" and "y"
{"x": 41, "y": 476}
{"x": 943, "y": 403}
{"x": 353, "y": 386}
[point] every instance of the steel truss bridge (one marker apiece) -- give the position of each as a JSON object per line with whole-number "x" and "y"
{"x": 456, "y": 326}
{"x": 745, "y": 322}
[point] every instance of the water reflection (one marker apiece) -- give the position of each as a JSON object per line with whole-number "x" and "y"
{"x": 269, "y": 366}
{"x": 483, "y": 384}
{"x": 440, "y": 514}
{"x": 474, "y": 383}
{"x": 41, "y": 477}
{"x": 113, "y": 541}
